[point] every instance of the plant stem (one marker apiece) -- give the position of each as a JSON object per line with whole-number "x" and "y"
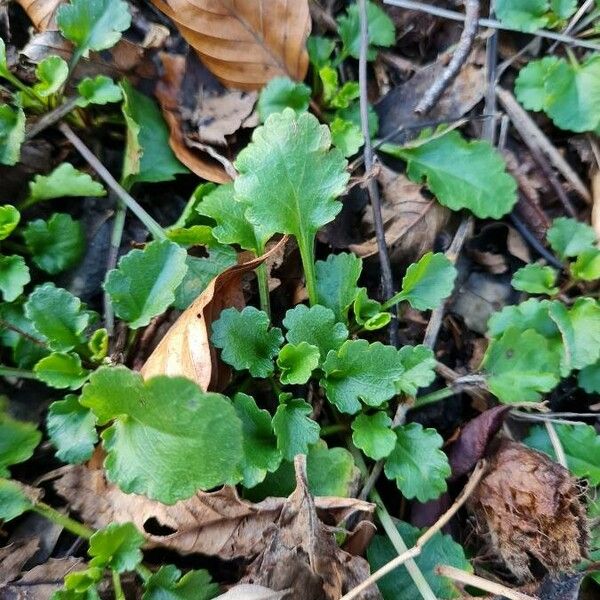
{"x": 435, "y": 396}
{"x": 390, "y": 529}
{"x": 144, "y": 572}
{"x": 153, "y": 227}
{"x": 69, "y": 524}
{"x": 111, "y": 262}
{"x": 307, "y": 254}
{"x": 117, "y": 587}
{"x": 262, "y": 277}
{"x": 395, "y": 299}
{"x": 332, "y": 429}
{"x": 13, "y": 372}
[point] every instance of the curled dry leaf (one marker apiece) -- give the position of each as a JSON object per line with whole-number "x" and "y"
{"x": 301, "y": 554}
{"x": 245, "y": 43}
{"x": 412, "y": 220}
{"x": 167, "y": 93}
{"x": 212, "y": 523}
{"x": 14, "y": 556}
{"x": 186, "y": 349}
{"x": 529, "y": 507}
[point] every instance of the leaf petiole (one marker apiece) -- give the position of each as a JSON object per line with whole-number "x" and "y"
{"x": 13, "y": 372}
{"x": 307, "y": 254}
{"x": 75, "y": 527}
{"x": 117, "y": 587}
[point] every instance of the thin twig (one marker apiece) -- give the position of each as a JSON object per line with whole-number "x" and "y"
{"x": 522, "y": 228}
{"x": 533, "y": 136}
{"x": 463, "y": 48}
{"x": 561, "y": 457}
{"x": 153, "y": 227}
{"x": 51, "y": 118}
{"x": 111, "y": 262}
{"x": 488, "y": 130}
{"x": 574, "y": 20}
{"x": 491, "y": 23}
{"x": 387, "y": 279}
{"x": 481, "y": 583}
{"x": 418, "y": 547}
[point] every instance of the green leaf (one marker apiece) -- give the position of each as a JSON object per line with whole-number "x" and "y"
{"x": 315, "y": 325}
{"x": 14, "y": 276}
{"x": 116, "y": 547}
{"x": 18, "y": 440}
{"x": 143, "y": 284}
{"x": 61, "y": 370}
{"x": 28, "y": 349}
{"x": 525, "y": 15}
{"x": 368, "y": 313}
{"x": 4, "y": 70}
{"x": 581, "y": 444}
{"x": 232, "y": 227}
{"x": 9, "y": 219}
{"x": 569, "y": 94}
{"x": 460, "y": 173}
{"x": 166, "y": 455}
{"x": 563, "y": 9}
{"x": 531, "y": 314}
{"x": 535, "y": 279}
{"x": 417, "y": 464}
{"x": 297, "y": 362}
{"x": 589, "y": 378}
{"x": 201, "y": 271}
{"x": 93, "y": 24}
{"x": 337, "y": 279}
{"x": 330, "y": 83}
{"x": 81, "y": 585}
{"x": 168, "y": 584}
{"x": 259, "y": 441}
{"x": 57, "y": 244}
{"x": 520, "y": 366}
{"x": 373, "y": 435}
{"x": 13, "y": 500}
{"x": 427, "y": 282}
{"x": 290, "y": 178}
{"x": 64, "y": 181}
{"x": 98, "y": 90}
{"x": 72, "y": 430}
{"x": 352, "y": 114}
{"x": 247, "y": 341}
{"x": 569, "y": 237}
{"x": 294, "y": 429}
{"x": 12, "y": 134}
{"x": 440, "y": 549}
{"x": 360, "y": 371}
{"x": 419, "y": 369}
{"x": 346, "y": 94}
{"x": 281, "y": 93}
{"x": 580, "y": 328}
{"x": 148, "y": 155}
{"x": 587, "y": 265}
{"x": 330, "y": 471}
{"x": 57, "y": 315}
{"x": 52, "y": 73}
{"x": 319, "y": 50}
{"x": 380, "y": 26}
{"x": 346, "y": 136}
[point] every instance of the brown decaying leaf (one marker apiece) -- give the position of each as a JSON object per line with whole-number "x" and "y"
{"x": 411, "y": 220}
{"x": 300, "y": 552}
{"x": 186, "y": 349}
{"x": 216, "y": 523}
{"x": 245, "y": 43}
{"x": 41, "y": 12}
{"x": 167, "y": 94}
{"x": 529, "y": 507}
{"x": 14, "y": 556}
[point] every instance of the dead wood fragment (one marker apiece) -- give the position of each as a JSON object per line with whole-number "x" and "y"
{"x": 530, "y": 508}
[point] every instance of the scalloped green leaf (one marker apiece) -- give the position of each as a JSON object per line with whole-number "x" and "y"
{"x": 460, "y": 173}
{"x": 99, "y": 90}
{"x": 143, "y": 284}
{"x": 417, "y": 464}
{"x": 294, "y": 429}
{"x": 373, "y": 434}
{"x": 246, "y": 340}
{"x": 61, "y": 370}
{"x": 346, "y": 136}
{"x": 18, "y": 440}
{"x": 536, "y": 279}
{"x": 56, "y": 244}
{"x": 419, "y": 368}
{"x": 116, "y": 547}
{"x": 281, "y": 93}
{"x": 589, "y": 378}
{"x": 9, "y": 219}
{"x": 166, "y": 455}
{"x": 14, "y": 276}
{"x": 361, "y": 372}
{"x": 58, "y": 316}
{"x": 168, "y": 583}
{"x": 569, "y": 237}
{"x": 52, "y": 73}
{"x": 524, "y": 15}
{"x": 72, "y": 430}
{"x": 297, "y": 362}
{"x": 587, "y": 265}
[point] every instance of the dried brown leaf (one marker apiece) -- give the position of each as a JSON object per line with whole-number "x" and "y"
{"x": 41, "y": 12}
{"x": 245, "y": 43}
{"x": 529, "y": 507}
{"x": 412, "y": 220}
{"x": 167, "y": 93}
{"x": 212, "y": 523}
{"x": 186, "y": 349}
{"x": 14, "y": 556}
{"x": 301, "y": 553}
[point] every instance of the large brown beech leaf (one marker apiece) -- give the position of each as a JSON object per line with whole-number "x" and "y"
{"x": 245, "y": 43}
{"x": 186, "y": 349}
{"x": 212, "y": 523}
